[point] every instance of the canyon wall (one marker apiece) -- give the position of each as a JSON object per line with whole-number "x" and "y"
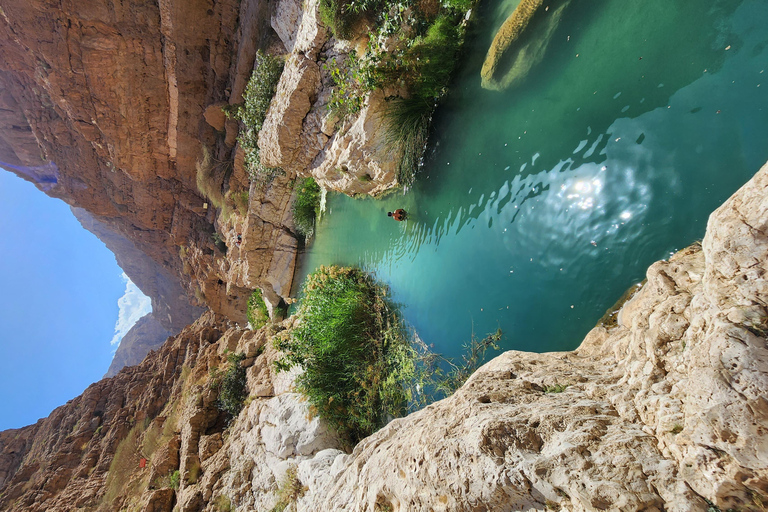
{"x": 110, "y": 106}
{"x": 662, "y": 407}
{"x": 101, "y": 105}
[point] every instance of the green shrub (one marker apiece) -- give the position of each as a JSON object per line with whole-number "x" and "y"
{"x": 257, "y": 313}
{"x": 341, "y": 16}
{"x": 222, "y": 503}
{"x": 358, "y": 364}
{"x": 241, "y": 200}
{"x": 433, "y": 57}
{"x": 174, "y": 479}
{"x": 256, "y": 99}
{"x": 557, "y": 388}
{"x": 193, "y": 474}
{"x": 306, "y": 206}
{"x": 347, "y": 95}
{"x": 219, "y": 242}
{"x": 232, "y": 390}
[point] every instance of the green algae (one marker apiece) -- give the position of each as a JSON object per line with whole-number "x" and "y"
{"x": 516, "y": 48}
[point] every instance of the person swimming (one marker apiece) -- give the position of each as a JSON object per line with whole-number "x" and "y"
{"x": 398, "y": 215}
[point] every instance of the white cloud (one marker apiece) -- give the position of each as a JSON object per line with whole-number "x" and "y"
{"x": 132, "y": 306}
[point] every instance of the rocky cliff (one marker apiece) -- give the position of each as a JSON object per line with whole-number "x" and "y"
{"x": 110, "y": 106}
{"x": 662, "y": 407}
{"x": 102, "y": 106}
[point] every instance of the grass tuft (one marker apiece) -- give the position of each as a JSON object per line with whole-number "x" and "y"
{"x": 343, "y": 16}
{"x": 222, "y": 503}
{"x": 208, "y": 182}
{"x": 257, "y": 313}
{"x": 289, "y": 490}
{"x": 351, "y": 343}
{"x": 407, "y": 127}
{"x": 557, "y": 388}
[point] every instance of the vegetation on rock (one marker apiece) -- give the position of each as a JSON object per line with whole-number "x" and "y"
{"x": 206, "y": 179}
{"x": 232, "y": 390}
{"x": 257, "y": 310}
{"x": 256, "y": 99}
{"x": 447, "y": 382}
{"x": 412, "y": 52}
{"x": 289, "y": 490}
{"x": 351, "y": 343}
{"x": 306, "y": 206}
{"x": 556, "y": 388}
{"x": 174, "y": 479}
{"x": 361, "y": 369}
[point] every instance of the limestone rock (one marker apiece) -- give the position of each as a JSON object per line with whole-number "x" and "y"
{"x": 288, "y": 429}
{"x": 145, "y": 335}
{"x": 161, "y": 500}
{"x": 209, "y": 445}
{"x": 166, "y": 459}
{"x": 285, "y": 21}
{"x": 358, "y": 160}
{"x": 312, "y": 34}
{"x": 280, "y": 137}
{"x": 663, "y": 410}
{"x": 214, "y": 115}
{"x": 107, "y": 115}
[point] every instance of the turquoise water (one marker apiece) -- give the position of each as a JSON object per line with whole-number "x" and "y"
{"x": 539, "y": 206}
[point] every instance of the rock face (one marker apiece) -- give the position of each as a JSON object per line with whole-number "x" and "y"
{"x": 111, "y": 110}
{"x": 302, "y": 135}
{"x": 147, "y": 334}
{"x": 662, "y": 409}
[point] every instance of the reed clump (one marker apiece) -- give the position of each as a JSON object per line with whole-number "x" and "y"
{"x": 208, "y": 180}
{"x": 352, "y": 346}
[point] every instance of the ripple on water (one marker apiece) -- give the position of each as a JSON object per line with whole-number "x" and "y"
{"x": 558, "y": 197}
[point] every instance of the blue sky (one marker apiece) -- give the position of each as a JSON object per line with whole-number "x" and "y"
{"x": 64, "y": 304}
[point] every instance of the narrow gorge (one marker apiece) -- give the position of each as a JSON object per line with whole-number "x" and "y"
{"x": 115, "y": 107}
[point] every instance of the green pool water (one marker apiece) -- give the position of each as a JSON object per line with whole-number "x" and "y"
{"x": 537, "y": 207}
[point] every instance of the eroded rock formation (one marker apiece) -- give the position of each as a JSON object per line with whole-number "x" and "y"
{"x": 301, "y": 134}
{"x": 109, "y": 107}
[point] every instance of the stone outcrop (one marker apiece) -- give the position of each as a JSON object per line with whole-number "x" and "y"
{"x": 147, "y": 334}
{"x": 664, "y": 411}
{"x": 302, "y": 135}
{"x": 662, "y": 407}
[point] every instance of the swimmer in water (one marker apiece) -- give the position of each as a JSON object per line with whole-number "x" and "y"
{"x": 398, "y": 215}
